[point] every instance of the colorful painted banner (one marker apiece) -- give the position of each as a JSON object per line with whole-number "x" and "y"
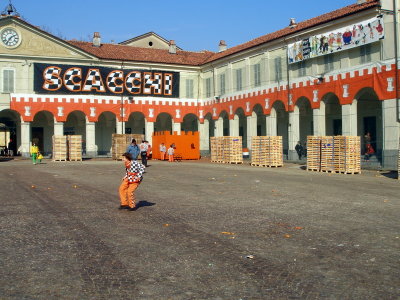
{"x": 67, "y": 79}
{"x": 338, "y": 40}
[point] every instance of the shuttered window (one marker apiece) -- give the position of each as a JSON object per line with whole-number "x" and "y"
{"x": 222, "y": 84}
{"x": 189, "y": 88}
{"x": 239, "y": 84}
{"x": 8, "y": 81}
{"x": 257, "y": 74}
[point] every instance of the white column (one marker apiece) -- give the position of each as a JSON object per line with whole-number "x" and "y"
{"x": 251, "y": 128}
{"x": 24, "y": 149}
{"x": 58, "y": 128}
{"x": 271, "y": 123}
{"x": 204, "y": 131}
{"x": 391, "y": 131}
{"x": 149, "y": 130}
{"x": 229, "y": 81}
{"x": 319, "y": 120}
{"x": 294, "y": 132}
{"x": 91, "y": 147}
{"x": 349, "y": 119}
{"x": 176, "y": 127}
{"x": 219, "y": 127}
{"x": 234, "y": 126}
{"x": 119, "y": 127}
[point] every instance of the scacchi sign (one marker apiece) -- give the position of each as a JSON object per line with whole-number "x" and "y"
{"x": 66, "y": 79}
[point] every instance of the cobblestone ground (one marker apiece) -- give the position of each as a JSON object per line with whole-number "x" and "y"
{"x": 203, "y": 231}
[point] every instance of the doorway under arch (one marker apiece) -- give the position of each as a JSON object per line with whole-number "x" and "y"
{"x": 105, "y": 127}
{"x": 42, "y": 131}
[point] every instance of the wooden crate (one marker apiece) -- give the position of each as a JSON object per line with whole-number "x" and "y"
{"x": 347, "y": 154}
{"x": 74, "y": 147}
{"x": 226, "y": 149}
{"x": 232, "y": 150}
{"x": 60, "y": 149}
{"x": 313, "y": 153}
{"x": 267, "y": 151}
{"x": 120, "y": 143}
{"x": 327, "y": 154}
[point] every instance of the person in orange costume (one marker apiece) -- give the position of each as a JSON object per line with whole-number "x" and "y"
{"x": 171, "y": 153}
{"x": 163, "y": 149}
{"x": 130, "y": 182}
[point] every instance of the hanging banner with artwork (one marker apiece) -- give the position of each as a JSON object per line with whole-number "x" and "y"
{"x": 337, "y": 40}
{"x": 72, "y": 79}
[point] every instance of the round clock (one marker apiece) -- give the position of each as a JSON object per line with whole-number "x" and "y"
{"x": 10, "y": 37}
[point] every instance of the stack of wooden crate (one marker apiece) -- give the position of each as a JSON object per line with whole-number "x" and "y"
{"x": 339, "y": 154}
{"x": 120, "y": 143}
{"x": 327, "y": 153}
{"x": 313, "y": 153}
{"x": 347, "y": 154}
{"x": 267, "y": 151}
{"x": 226, "y": 149}
{"x": 60, "y": 150}
{"x": 74, "y": 147}
{"x": 232, "y": 150}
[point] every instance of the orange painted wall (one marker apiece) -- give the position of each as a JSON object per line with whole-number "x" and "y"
{"x": 187, "y": 144}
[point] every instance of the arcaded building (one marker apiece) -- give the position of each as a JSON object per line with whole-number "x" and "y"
{"x": 334, "y": 74}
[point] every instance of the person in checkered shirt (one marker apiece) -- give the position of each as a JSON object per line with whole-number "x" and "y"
{"x": 130, "y": 182}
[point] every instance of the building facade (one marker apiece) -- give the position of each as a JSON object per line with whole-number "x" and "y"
{"x": 331, "y": 75}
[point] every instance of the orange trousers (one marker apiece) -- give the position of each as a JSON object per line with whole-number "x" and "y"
{"x": 162, "y": 154}
{"x": 170, "y": 158}
{"x": 127, "y": 193}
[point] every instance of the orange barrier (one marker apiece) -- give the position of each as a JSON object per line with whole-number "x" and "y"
{"x": 187, "y": 144}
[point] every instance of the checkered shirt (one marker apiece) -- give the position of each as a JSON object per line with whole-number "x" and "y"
{"x": 134, "y": 171}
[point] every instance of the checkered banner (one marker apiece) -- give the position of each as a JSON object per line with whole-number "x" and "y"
{"x": 67, "y": 79}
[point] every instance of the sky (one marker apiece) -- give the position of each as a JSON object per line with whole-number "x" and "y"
{"x": 194, "y": 25}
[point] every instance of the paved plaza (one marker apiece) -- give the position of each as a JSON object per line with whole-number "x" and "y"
{"x": 202, "y": 231}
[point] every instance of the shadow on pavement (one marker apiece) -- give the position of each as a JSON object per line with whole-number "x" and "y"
{"x": 390, "y": 174}
{"x": 144, "y": 203}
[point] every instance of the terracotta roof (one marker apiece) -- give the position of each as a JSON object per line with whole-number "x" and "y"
{"x": 336, "y": 14}
{"x": 129, "y": 53}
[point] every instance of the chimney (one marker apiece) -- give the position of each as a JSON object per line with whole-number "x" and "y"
{"x": 292, "y": 23}
{"x": 172, "y": 47}
{"x": 222, "y": 46}
{"x": 96, "y": 39}
{"x": 361, "y": 1}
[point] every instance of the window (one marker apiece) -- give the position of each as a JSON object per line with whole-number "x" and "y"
{"x": 8, "y": 81}
{"x": 278, "y": 68}
{"x": 328, "y": 62}
{"x": 208, "y": 87}
{"x": 302, "y": 67}
{"x": 189, "y": 88}
{"x": 239, "y": 85}
{"x": 365, "y": 53}
{"x": 257, "y": 74}
{"x": 222, "y": 84}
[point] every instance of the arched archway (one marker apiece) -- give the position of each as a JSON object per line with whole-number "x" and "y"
{"x": 11, "y": 131}
{"x": 281, "y": 116}
{"x": 42, "y": 131}
{"x": 190, "y": 123}
{"x": 369, "y": 119}
{"x": 223, "y": 121}
{"x": 261, "y": 120}
{"x": 333, "y": 114}
{"x": 76, "y": 125}
{"x": 211, "y": 124}
{"x": 163, "y": 122}
{"x": 242, "y": 125}
{"x": 303, "y": 108}
{"x": 105, "y": 127}
{"x": 136, "y": 123}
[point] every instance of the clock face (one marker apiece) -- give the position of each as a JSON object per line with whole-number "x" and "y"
{"x": 10, "y": 37}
